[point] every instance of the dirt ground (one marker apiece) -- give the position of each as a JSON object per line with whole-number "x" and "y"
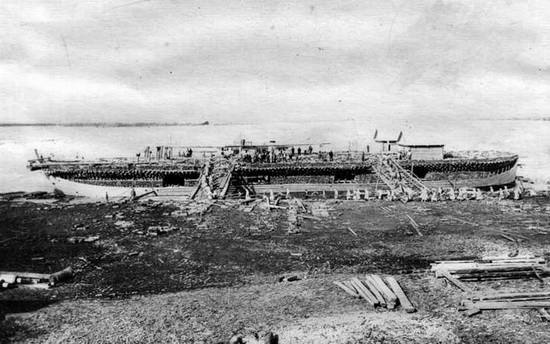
{"x": 211, "y": 271}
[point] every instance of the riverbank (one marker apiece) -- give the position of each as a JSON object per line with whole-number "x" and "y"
{"x": 199, "y": 272}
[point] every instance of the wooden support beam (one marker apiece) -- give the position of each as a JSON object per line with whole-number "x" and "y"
{"x": 455, "y": 281}
{"x": 403, "y": 299}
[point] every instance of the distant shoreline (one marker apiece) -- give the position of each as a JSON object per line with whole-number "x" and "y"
{"x": 102, "y": 124}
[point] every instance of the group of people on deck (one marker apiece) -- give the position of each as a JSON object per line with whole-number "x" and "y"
{"x": 273, "y": 155}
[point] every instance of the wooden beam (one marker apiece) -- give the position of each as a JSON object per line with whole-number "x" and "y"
{"x": 346, "y": 289}
{"x": 376, "y": 292}
{"x": 389, "y": 295}
{"x": 501, "y": 296}
{"x": 455, "y": 281}
{"x": 489, "y": 305}
{"x": 364, "y": 292}
{"x": 490, "y": 275}
{"x": 403, "y": 299}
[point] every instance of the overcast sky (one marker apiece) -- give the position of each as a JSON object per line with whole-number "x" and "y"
{"x": 243, "y": 61}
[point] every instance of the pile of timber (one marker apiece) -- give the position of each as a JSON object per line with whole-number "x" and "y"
{"x": 378, "y": 293}
{"x": 34, "y": 280}
{"x": 490, "y": 269}
{"x": 476, "y": 303}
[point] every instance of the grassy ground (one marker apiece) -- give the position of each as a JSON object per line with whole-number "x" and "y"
{"x": 218, "y": 273}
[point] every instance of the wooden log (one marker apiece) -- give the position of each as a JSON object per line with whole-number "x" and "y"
{"x": 389, "y": 295}
{"x": 455, "y": 281}
{"x": 403, "y": 299}
{"x": 364, "y": 292}
{"x": 375, "y": 292}
{"x": 352, "y": 231}
{"x": 346, "y": 289}
{"x": 61, "y": 276}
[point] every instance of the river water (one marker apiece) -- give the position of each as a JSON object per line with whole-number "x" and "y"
{"x": 529, "y": 139}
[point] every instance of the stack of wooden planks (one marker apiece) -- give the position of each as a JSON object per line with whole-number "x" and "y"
{"x": 376, "y": 292}
{"x": 493, "y": 300}
{"x": 490, "y": 268}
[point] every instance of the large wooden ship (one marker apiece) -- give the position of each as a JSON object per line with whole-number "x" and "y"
{"x": 246, "y": 169}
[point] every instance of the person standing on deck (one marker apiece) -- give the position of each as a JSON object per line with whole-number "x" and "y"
{"x": 330, "y": 155}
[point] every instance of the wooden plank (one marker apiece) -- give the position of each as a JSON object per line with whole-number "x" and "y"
{"x": 346, "y": 289}
{"x": 376, "y": 292}
{"x": 508, "y": 274}
{"x": 352, "y": 231}
{"x": 31, "y": 275}
{"x": 403, "y": 299}
{"x": 350, "y": 286}
{"x": 495, "y": 269}
{"x": 455, "y": 281}
{"x": 391, "y": 298}
{"x": 501, "y": 296}
{"x": 507, "y": 237}
{"x": 364, "y": 292}
{"x": 489, "y": 305}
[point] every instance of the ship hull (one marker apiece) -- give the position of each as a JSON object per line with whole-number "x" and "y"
{"x": 113, "y": 192}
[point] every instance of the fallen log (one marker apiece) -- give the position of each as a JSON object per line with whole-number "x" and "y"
{"x": 403, "y": 299}
{"x": 61, "y": 276}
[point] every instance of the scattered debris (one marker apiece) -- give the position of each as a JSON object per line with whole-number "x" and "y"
{"x": 414, "y": 224}
{"x": 79, "y": 239}
{"x": 352, "y": 231}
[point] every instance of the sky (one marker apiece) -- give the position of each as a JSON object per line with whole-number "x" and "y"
{"x": 262, "y": 60}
